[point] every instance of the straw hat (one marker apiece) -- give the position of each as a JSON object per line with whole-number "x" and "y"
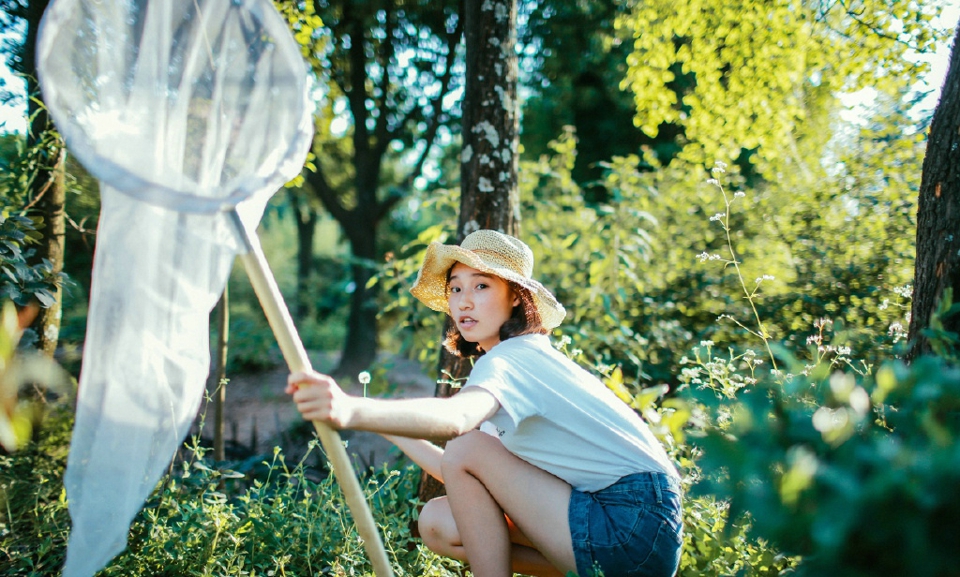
{"x": 491, "y": 252}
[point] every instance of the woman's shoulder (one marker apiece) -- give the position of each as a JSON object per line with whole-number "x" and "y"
{"x": 523, "y": 344}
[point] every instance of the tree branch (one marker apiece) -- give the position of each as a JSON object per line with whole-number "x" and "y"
{"x": 327, "y": 195}
{"x": 386, "y": 205}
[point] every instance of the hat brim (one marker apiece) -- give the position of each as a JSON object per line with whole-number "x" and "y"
{"x": 430, "y": 288}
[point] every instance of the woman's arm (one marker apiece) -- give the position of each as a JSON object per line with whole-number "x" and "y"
{"x": 424, "y": 453}
{"x": 319, "y": 398}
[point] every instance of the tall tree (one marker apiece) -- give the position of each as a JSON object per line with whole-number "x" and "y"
{"x": 938, "y": 213}
{"x": 47, "y": 194}
{"x": 489, "y": 195}
{"x": 390, "y": 67}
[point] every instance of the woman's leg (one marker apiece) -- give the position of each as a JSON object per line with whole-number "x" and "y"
{"x": 484, "y": 482}
{"x": 440, "y": 535}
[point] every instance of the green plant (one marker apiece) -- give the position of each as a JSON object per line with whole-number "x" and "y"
{"x": 206, "y": 519}
{"x": 856, "y": 473}
{"x": 21, "y": 281}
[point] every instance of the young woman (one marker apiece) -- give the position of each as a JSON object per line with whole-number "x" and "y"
{"x": 546, "y": 470}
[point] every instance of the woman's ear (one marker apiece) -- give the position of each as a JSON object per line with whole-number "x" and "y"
{"x": 516, "y": 298}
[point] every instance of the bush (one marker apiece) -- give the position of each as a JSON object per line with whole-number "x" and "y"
{"x": 207, "y": 520}
{"x": 855, "y": 473}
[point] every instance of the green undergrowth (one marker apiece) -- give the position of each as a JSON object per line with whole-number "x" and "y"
{"x": 205, "y": 519}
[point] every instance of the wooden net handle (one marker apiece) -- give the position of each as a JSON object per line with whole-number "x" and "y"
{"x": 295, "y": 355}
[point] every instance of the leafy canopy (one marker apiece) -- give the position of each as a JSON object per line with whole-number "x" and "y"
{"x": 751, "y": 66}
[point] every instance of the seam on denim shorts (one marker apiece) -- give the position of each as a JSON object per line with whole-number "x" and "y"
{"x": 658, "y": 491}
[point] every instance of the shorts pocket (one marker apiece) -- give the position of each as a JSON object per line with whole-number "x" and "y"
{"x": 634, "y": 540}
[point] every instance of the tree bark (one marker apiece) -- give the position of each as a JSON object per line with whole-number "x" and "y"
{"x": 306, "y": 219}
{"x": 360, "y": 346}
{"x": 489, "y": 196}
{"x": 938, "y": 214}
{"x": 49, "y": 191}
{"x": 219, "y": 374}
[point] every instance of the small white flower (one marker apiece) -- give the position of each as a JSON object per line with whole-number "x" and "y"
{"x": 713, "y": 181}
{"x": 739, "y": 194}
{"x": 706, "y": 343}
{"x": 905, "y": 291}
{"x": 717, "y": 217}
{"x": 364, "y": 378}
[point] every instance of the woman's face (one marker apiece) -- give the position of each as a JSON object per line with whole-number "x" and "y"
{"x": 479, "y": 304}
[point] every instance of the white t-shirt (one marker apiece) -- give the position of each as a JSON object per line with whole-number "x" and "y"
{"x": 557, "y": 416}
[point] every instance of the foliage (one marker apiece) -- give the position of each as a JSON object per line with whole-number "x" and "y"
{"x": 23, "y": 282}
{"x": 647, "y": 274}
{"x": 33, "y": 511}
{"x": 207, "y": 520}
{"x": 714, "y": 544}
{"x": 854, "y": 473}
{"x": 761, "y": 69}
{"x": 572, "y": 63}
{"x": 20, "y": 231}
{"x": 415, "y": 330}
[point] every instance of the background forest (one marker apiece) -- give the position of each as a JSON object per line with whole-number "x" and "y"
{"x": 725, "y": 197}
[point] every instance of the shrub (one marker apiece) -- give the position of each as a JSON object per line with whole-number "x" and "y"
{"x": 207, "y": 520}
{"x": 855, "y": 473}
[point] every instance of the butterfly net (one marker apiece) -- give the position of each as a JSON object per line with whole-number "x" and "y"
{"x": 185, "y": 111}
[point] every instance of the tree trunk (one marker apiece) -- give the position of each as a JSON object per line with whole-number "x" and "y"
{"x": 489, "y": 197}
{"x": 306, "y": 217}
{"x": 938, "y": 213}
{"x": 360, "y": 346}
{"x": 49, "y": 191}
{"x": 219, "y": 375}
{"x": 488, "y": 179}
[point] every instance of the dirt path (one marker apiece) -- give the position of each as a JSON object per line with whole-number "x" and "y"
{"x": 258, "y": 416}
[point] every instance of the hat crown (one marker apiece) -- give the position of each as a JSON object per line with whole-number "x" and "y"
{"x": 490, "y": 252}
{"x": 501, "y": 250}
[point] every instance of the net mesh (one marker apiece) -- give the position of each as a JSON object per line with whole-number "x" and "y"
{"x": 183, "y": 109}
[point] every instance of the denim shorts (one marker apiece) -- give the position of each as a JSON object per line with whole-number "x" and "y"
{"x": 632, "y": 528}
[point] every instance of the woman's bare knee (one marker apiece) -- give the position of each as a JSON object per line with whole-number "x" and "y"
{"x": 465, "y": 451}
{"x": 439, "y": 530}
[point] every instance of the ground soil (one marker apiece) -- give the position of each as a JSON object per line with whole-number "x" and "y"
{"x": 259, "y": 416}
